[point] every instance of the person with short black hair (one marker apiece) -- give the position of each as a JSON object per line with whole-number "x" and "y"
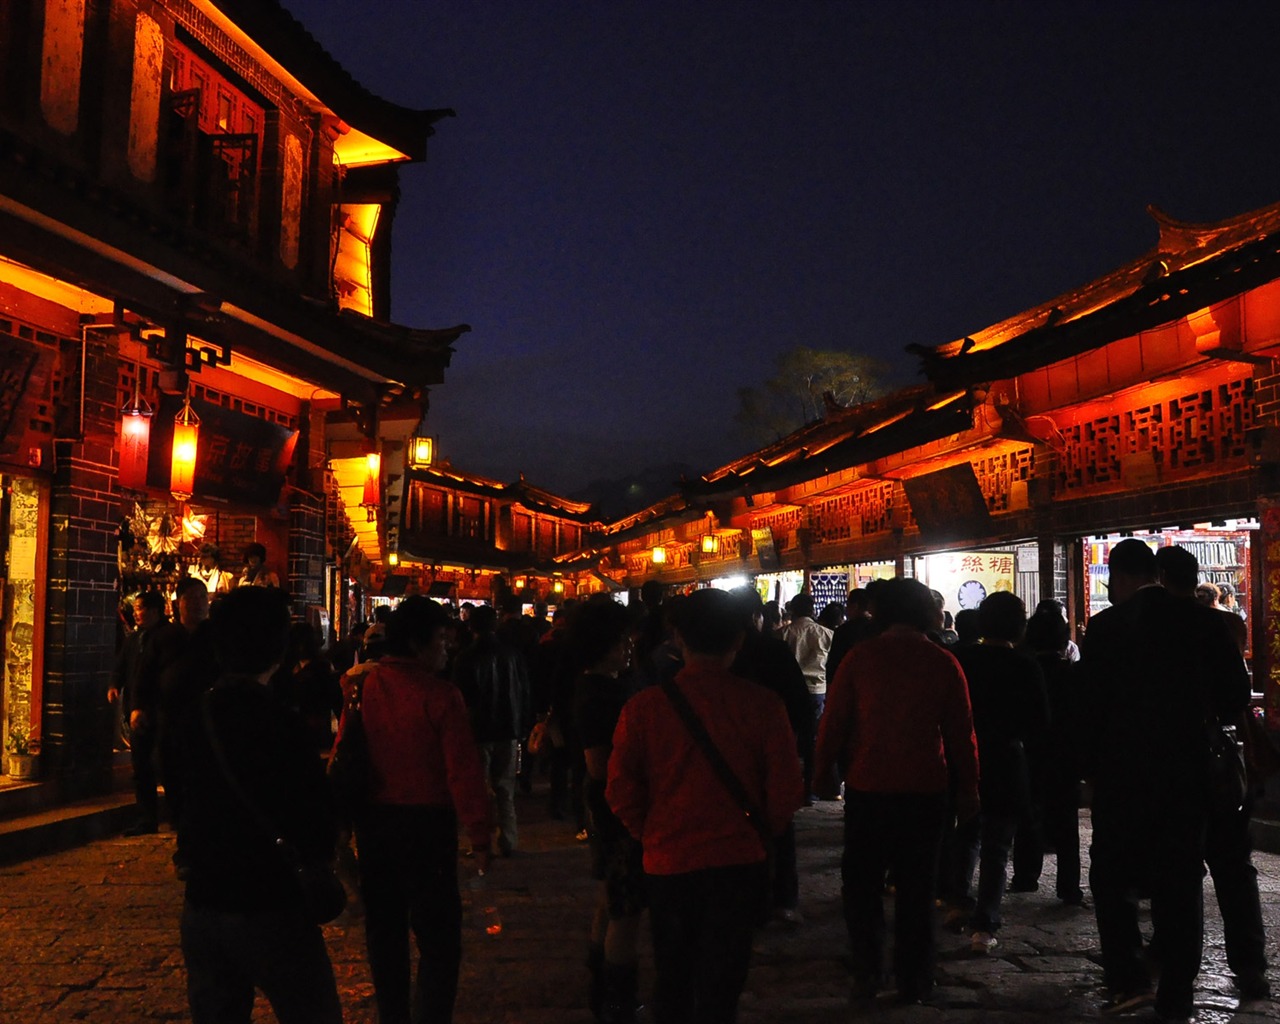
{"x": 427, "y": 780}
{"x": 704, "y": 859}
{"x": 899, "y": 725}
{"x": 1155, "y": 666}
{"x": 244, "y": 923}
{"x": 136, "y": 683}
{"x": 256, "y": 573}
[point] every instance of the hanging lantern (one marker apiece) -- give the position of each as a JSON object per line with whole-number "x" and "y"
{"x": 393, "y": 559}
{"x": 710, "y": 544}
{"x": 135, "y": 441}
{"x": 421, "y": 451}
{"x": 372, "y": 486}
{"x": 186, "y": 436}
{"x": 659, "y": 556}
{"x": 558, "y": 586}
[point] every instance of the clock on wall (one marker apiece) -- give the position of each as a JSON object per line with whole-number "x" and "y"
{"x": 970, "y": 594}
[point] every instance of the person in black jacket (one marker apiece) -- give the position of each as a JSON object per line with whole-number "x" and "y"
{"x": 494, "y": 681}
{"x": 136, "y": 683}
{"x": 1010, "y": 711}
{"x": 244, "y": 921}
{"x": 768, "y": 661}
{"x": 1158, "y": 669}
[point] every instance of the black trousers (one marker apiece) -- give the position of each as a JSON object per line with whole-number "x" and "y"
{"x": 1062, "y": 830}
{"x": 146, "y": 777}
{"x": 702, "y": 923}
{"x": 229, "y": 955}
{"x": 786, "y": 873}
{"x": 1155, "y": 850}
{"x": 409, "y": 879}
{"x": 1228, "y": 854}
{"x": 902, "y": 833}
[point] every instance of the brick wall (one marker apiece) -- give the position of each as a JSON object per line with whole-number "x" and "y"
{"x": 82, "y": 589}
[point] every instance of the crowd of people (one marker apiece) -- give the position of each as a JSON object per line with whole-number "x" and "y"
{"x": 679, "y": 736}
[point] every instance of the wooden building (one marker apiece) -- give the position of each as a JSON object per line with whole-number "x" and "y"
{"x": 1142, "y": 404}
{"x": 195, "y": 213}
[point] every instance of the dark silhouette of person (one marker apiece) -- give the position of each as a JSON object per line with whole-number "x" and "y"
{"x": 1228, "y": 849}
{"x": 1158, "y": 669}
{"x": 244, "y": 922}
{"x": 135, "y": 682}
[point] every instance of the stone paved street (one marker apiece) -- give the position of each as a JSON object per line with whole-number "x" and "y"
{"x": 91, "y": 935}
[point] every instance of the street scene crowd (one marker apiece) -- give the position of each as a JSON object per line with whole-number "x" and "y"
{"x": 678, "y": 737}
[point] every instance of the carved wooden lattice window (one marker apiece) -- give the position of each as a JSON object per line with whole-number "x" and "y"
{"x": 33, "y": 384}
{"x": 1185, "y": 434}
{"x": 998, "y": 473}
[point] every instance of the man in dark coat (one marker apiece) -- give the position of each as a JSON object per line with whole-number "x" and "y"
{"x": 1159, "y": 669}
{"x": 494, "y": 681}
{"x": 135, "y": 682}
{"x": 768, "y": 661}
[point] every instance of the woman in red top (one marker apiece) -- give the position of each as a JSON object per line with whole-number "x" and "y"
{"x": 426, "y": 778}
{"x": 898, "y": 722}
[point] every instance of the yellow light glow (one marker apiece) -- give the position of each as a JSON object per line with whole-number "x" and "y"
{"x": 393, "y": 559}
{"x": 352, "y": 267}
{"x": 182, "y": 470}
{"x": 421, "y": 451}
{"x": 710, "y": 544}
{"x": 659, "y": 555}
{"x": 558, "y": 586}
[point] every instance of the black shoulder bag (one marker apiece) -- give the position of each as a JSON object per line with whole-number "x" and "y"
{"x": 322, "y": 891}
{"x": 731, "y": 782}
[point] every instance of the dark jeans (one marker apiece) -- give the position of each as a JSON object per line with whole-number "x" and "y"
{"x": 142, "y": 755}
{"x": 1228, "y": 854}
{"x": 818, "y": 703}
{"x": 902, "y": 833}
{"x": 409, "y": 880}
{"x": 702, "y": 923}
{"x": 1136, "y": 852}
{"x": 984, "y": 842}
{"x": 228, "y": 955}
{"x": 786, "y": 875}
{"x": 1062, "y": 830}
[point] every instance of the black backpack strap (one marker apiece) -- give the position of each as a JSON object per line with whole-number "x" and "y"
{"x": 719, "y": 765}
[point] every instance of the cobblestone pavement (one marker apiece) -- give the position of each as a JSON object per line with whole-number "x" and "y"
{"x": 91, "y": 935}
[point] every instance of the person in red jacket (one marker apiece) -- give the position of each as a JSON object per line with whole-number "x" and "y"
{"x": 704, "y": 859}
{"x": 899, "y": 726}
{"x": 427, "y": 778}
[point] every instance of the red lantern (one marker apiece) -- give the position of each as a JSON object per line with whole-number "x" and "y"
{"x": 186, "y": 436}
{"x": 373, "y": 486}
{"x": 135, "y": 443}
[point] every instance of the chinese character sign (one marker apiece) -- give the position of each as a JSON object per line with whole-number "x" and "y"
{"x": 965, "y": 578}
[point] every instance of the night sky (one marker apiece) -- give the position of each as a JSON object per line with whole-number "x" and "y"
{"x": 640, "y": 203}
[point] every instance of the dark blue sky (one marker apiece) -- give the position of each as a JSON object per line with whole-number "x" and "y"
{"x": 640, "y": 203}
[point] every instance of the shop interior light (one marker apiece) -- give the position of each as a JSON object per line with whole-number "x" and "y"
{"x": 659, "y": 555}
{"x": 135, "y": 441}
{"x": 186, "y": 440}
{"x": 421, "y": 451}
{"x": 372, "y": 485}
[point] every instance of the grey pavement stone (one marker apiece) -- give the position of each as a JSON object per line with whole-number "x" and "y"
{"x": 91, "y": 934}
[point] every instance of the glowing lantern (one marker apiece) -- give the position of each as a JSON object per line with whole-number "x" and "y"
{"x": 519, "y": 583}
{"x": 186, "y": 436}
{"x": 558, "y": 586}
{"x": 372, "y": 486}
{"x": 421, "y": 451}
{"x": 135, "y": 442}
{"x": 710, "y": 544}
{"x": 659, "y": 556}
{"x": 393, "y": 559}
